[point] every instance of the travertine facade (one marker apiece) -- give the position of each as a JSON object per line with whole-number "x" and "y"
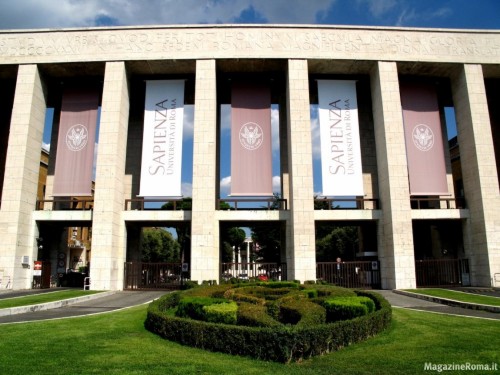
{"x": 36, "y": 62}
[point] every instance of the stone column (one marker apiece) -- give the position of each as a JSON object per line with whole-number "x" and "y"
{"x": 301, "y": 248}
{"x": 395, "y": 237}
{"x": 204, "y": 226}
{"x": 108, "y": 228}
{"x": 21, "y": 178}
{"x": 479, "y": 172}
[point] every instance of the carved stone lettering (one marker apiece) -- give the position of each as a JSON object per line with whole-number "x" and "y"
{"x": 284, "y": 42}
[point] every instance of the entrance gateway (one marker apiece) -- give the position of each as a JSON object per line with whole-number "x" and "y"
{"x": 372, "y": 99}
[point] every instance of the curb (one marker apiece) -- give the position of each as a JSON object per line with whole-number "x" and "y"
{"x": 450, "y": 302}
{"x": 52, "y": 305}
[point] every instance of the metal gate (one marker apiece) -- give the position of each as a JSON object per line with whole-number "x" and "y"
{"x": 139, "y": 275}
{"x": 442, "y": 272}
{"x": 363, "y": 274}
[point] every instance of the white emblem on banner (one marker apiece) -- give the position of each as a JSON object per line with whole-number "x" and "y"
{"x": 77, "y": 137}
{"x": 251, "y": 136}
{"x": 341, "y": 165}
{"x": 423, "y": 137}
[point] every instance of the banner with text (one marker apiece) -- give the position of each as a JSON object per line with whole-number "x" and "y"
{"x": 162, "y": 139}
{"x": 423, "y": 138}
{"x": 76, "y": 143}
{"x": 339, "y": 132}
{"x": 251, "y": 154}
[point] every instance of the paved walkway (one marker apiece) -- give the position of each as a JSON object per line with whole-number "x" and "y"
{"x": 94, "y": 305}
{"x": 123, "y": 299}
{"x": 402, "y": 301}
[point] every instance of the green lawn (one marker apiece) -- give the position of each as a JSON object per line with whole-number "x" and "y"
{"x": 458, "y": 296}
{"x": 43, "y": 298}
{"x": 117, "y": 343}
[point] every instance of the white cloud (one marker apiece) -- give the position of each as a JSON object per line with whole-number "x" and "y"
{"x": 71, "y": 13}
{"x": 315, "y": 135}
{"x": 275, "y": 128}
{"x": 188, "y": 126}
{"x": 277, "y": 184}
{"x": 46, "y": 146}
{"x": 225, "y": 117}
{"x": 406, "y": 16}
{"x": 379, "y": 8}
{"x": 187, "y": 189}
{"x": 225, "y": 185}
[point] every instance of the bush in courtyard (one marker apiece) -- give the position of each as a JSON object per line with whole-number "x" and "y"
{"x": 225, "y": 312}
{"x": 342, "y": 308}
{"x": 286, "y": 327}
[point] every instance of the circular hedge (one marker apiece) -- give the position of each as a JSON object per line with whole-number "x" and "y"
{"x": 277, "y": 321}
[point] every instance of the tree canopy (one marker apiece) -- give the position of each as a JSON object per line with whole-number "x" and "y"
{"x": 158, "y": 245}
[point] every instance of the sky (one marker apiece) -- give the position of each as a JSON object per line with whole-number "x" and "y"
{"x": 53, "y": 14}
{"x": 28, "y": 14}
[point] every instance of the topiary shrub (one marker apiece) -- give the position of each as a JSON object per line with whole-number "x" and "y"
{"x": 225, "y": 312}
{"x": 258, "y": 333}
{"x": 253, "y": 315}
{"x": 343, "y": 308}
{"x": 193, "y": 307}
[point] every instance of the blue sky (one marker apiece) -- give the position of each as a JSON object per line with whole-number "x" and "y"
{"x": 476, "y": 14}
{"x": 464, "y": 14}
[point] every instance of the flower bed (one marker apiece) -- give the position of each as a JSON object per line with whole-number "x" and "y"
{"x": 289, "y": 323}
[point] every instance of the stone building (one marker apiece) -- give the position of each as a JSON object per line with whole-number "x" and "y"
{"x": 462, "y": 65}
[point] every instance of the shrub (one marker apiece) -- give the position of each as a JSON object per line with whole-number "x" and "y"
{"x": 311, "y": 293}
{"x": 344, "y": 308}
{"x": 253, "y": 315}
{"x": 279, "y": 284}
{"x": 189, "y": 284}
{"x": 225, "y": 312}
{"x": 261, "y": 336}
{"x": 301, "y": 312}
{"x": 193, "y": 307}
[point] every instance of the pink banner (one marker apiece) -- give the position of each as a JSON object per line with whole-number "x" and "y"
{"x": 76, "y": 142}
{"x": 424, "y": 141}
{"x": 251, "y": 154}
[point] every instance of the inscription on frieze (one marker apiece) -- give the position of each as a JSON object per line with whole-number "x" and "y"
{"x": 127, "y": 43}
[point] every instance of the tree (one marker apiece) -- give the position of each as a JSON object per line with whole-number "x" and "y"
{"x": 334, "y": 241}
{"x": 186, "y": 204}
{"x": 231, "y": 238}
{"x": 158, "y": 245}
{"x": 268, "y": 239}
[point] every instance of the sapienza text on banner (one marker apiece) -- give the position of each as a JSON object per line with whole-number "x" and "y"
{"x": 164, "y": 138}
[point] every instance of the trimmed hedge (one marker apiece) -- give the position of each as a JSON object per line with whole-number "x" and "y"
{"x": 343, "y": 308}
{"x": 221, "y": 313}
{"x": 193, "y": 307}
{"x": 264, "y": 338}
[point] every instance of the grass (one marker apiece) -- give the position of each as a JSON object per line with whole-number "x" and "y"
{"x": 458, "y": 296}
{"x": 117, "y": 343}
{"x": 43, "y": 298}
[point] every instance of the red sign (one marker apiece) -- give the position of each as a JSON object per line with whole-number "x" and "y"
{"x": 37, "y": 269}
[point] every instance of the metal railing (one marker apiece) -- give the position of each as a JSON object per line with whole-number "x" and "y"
{"x": 252, "y": 204}
{"x": 253, "y": 271}
{"x": 64, "y": 204}
{"x": 139, "y": 275}
{"x": 142, "y": 204}
{"x": 442, "y": 272}
{"x": 346, "y": 204}
{"x": 436, "y": 203}
{"x": 362, "y": 274}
